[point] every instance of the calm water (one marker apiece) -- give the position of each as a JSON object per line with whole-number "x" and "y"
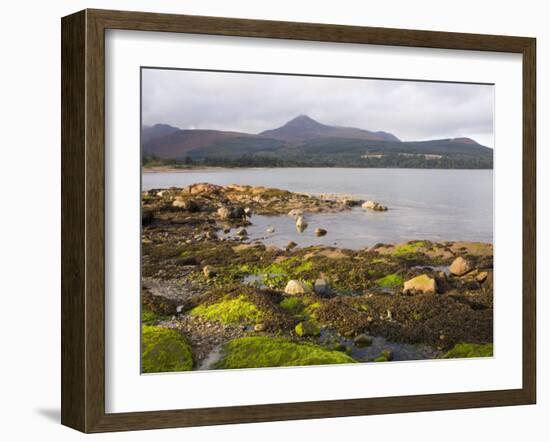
{"x": 437, "y": 205}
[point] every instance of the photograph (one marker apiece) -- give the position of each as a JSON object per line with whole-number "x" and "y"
{"x": 303, "y": 219}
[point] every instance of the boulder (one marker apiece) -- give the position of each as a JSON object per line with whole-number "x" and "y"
{"x": 209, "y": 271}
{"x": 301, "y": 223}
{"x": 307, "y": 328}
{"x": 320, "y": 232}
{"x": 186, "y": 204}
{"x": 374, "y": 205}
{"x": 420, "y": 284}
{"x": 224, "y": 213}
{"x": 362, "y": 340}
{"x": 295, "y": 287}
{"x": 321, "y": 287}
{"x": 460, "y": 266}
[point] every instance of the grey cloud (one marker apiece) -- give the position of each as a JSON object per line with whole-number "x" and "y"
{"x": 256, "y": 102}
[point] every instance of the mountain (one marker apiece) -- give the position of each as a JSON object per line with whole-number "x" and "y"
{"x": 304, "y": 142}
{"x": 303, "y": 128}
{"x": 156, "y": 131}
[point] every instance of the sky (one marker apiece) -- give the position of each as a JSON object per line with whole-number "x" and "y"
{"x": 252, "y": 103}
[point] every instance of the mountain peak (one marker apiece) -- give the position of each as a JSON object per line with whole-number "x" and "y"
{"x": 303, "y": 119}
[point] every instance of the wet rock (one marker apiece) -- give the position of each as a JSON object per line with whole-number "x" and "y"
{"x": 420, "y": 284}
{"x": 374, "y": 205}
{"x": 385, "y": 356}
{"x": 242, "y": 232}
{"x": 320, "y": 232}
{"x": 295, "y": 287}
{"x": 362, "y": 340}
{"x": 307, "y": 328}
{"x": 211, "y": 235}
{"x": 209, "y": 271}
{"x": 237, "y": 213}
{"x": 186, "y": 204}
{"x": 321, "y": 287}
{"x": 291, "y": 245}
{"x": 301, "y": 223}
{"x": 460, "y": 266}
{"x": 248, "y": 211}
{"x": 270, "y": 229}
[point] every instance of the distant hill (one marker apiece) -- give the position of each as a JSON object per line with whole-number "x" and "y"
{"x": 304, "y": 128}
{"x": 304, "y": 142}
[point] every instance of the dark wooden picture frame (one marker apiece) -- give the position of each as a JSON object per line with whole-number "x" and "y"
{"x": 83, "y": 220}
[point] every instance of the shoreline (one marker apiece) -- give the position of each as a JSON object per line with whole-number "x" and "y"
{"x": 223, "y": 293}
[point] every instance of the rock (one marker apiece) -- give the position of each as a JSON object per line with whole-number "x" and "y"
{"x": 179, "y": 309}
{"x": 161, "y": 193}
{"x": 291, "y": 245}
{"x": 301, "y": 223}
{"x": 211, "y": 235}
{"x": 248, "y": 211}
{"x": 237, "y": 213}
{"x": 374, "y": 205}
{"x": 460, "y": 266}
{"x": 307, "y": 328}
{"x": 203, "y": 188}
{"x": 295, "y": 287}
{"x": 420, "y": 284}
{"x": 481, "y": 276}
{"x": 147, "y": 217}
{"x": 295, "y": 213}
{"x": 385, "y": 356}
{"x": 209, "y": 271}
{"x": 186, "y": 204}
{"x": 270, "y": 229}
{"x": 224, "y": 213}
{"x": 259, "y": 327}
{"x": 321, "y": 287}
{"x": 320, "y": 232}
{"x": 362, "y": 340}
{"x": 242, "y": 232}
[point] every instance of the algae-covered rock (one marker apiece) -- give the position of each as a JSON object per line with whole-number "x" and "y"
{"x": 238, "y": 310}
{"x": 465, "y": 350}
{"x": 420, "y": 284}
{"x": 460, "y": 266}
{"x": 384, "y": 356}
{"x": 164, "y": 350}
{"x": 320, "y": 232}
{"x": 254, "y": 352}
{"x": 295, "y": 287}
{"x": 307, "y": 328}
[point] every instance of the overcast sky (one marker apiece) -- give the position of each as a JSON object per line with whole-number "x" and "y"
{"x": 255, "y": 102}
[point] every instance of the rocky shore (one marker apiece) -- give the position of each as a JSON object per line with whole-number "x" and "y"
{"x": 213, "y": 299}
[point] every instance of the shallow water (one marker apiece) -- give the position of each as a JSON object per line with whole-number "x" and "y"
{"x": 437, "y": 205}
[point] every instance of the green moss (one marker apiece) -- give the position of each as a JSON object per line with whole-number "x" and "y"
{"x": 402, "y": 250}
{"x": 254, "y": 352}
{"x": 164, "y": 350}
{"x": 312, "y": 308}
{"x": 230, "y": 311}
{"x": 391, "y": 281}
{"x": 292, "y": 305}
{"x": 149, "y": 317}
{"x": 307, "y": 328}
{"x": 465, "y": 350}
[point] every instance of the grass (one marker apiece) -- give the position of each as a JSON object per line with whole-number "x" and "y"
{"x": 465, "y": 350}
{"x": 391, "y": 281}
{"x": 255, "y": 352}
{"x": 164, "y": 350}
{"x": 230, "y": 311}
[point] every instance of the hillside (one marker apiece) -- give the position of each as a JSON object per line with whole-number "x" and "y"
{"x": 305, "y": 142}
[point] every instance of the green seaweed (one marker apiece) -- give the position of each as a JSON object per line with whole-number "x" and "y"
{"x": 391, "y": 281}
{"x": 164, "y": 350}
{"x": 255, "y": 352}
{"x": 465, "y": 350}
{"x": 402, "y": 250}
{"x": 237, "y": 310}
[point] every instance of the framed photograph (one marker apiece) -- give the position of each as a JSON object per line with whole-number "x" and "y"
{"x": 267, "y": 220}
